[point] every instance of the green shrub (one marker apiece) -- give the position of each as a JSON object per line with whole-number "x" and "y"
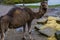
{"x": 20, "y": 1}
{"x": 11, "y": 1}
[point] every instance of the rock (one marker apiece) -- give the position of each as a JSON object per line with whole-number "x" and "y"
{"x": 57, "y": 35}
{"x": 47, "y": 31}
{"x": 42, "y": 21}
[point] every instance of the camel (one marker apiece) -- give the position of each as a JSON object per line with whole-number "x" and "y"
{"x": 18, "y": 17}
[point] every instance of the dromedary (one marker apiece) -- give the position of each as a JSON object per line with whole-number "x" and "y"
{"x": 18, "y": 17}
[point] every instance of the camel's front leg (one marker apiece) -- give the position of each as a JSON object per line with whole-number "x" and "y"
{"x": 29, "y": 31}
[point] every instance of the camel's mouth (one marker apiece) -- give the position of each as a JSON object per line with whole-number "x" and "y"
{"x": 44, "y": 9}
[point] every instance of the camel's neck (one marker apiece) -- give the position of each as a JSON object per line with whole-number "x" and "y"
{"x": 42, "y": 10}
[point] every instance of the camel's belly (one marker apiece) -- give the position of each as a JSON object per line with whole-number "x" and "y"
{"x": 20, "y": 20}
{"x": 18, "y": 23}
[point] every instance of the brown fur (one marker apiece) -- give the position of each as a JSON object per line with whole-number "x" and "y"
{"x": 18, "y": 17}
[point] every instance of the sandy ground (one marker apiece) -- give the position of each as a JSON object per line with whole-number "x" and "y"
{"x": 12, "y": 34}
{"x": 17, "y": 34}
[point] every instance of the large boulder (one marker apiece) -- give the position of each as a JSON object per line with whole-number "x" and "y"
{"x": 49, "y": 27}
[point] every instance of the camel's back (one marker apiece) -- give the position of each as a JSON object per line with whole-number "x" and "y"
{"x": 20, "y": 17}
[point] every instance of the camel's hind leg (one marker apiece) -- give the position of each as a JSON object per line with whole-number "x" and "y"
{"x": 2, "y": 31}
{"x": 4, "y": 26}
{"x": 2, "y": 35}
{"x": 24, "y": 38}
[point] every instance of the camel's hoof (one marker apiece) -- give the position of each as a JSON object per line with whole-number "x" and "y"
{"x": 32, "y": 39}
{"x": 23, "y": 39}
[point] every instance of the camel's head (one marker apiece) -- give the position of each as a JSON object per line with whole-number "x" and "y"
{"x": 44, "y": 5}
{"x": 43, "y": 9}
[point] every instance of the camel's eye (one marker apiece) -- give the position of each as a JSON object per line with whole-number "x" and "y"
{"x": 43, "y": 5}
